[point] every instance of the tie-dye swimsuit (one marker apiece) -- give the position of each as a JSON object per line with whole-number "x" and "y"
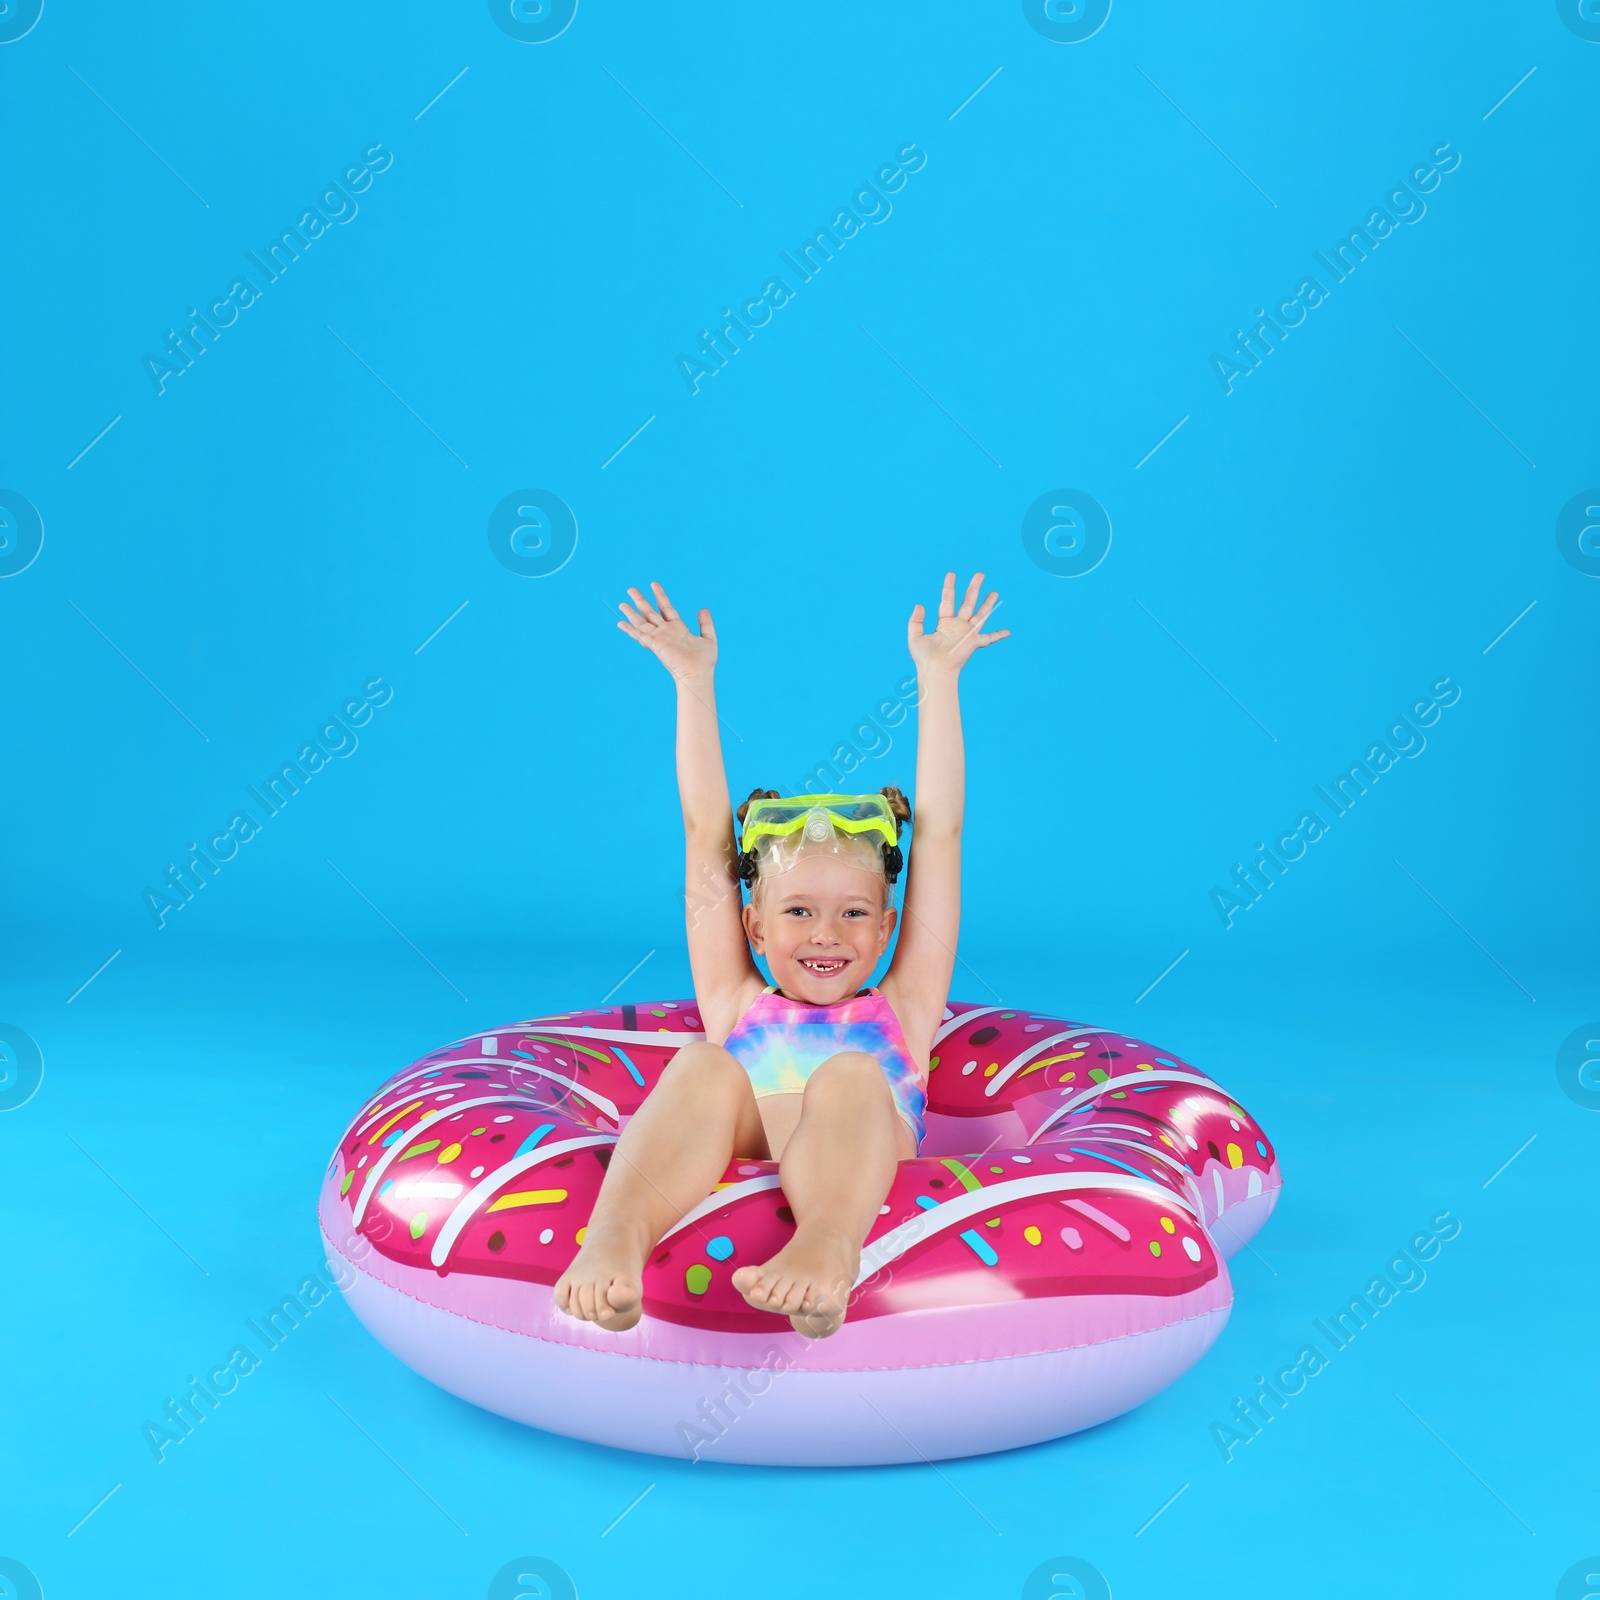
{"x": 780, "y": 1042}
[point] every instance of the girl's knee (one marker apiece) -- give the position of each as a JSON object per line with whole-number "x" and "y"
{"x": 849, "y": 1071}
{"x": 702, "y": 1061}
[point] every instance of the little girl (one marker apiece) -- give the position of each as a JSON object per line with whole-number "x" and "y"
{"x": 816, "y": 1071}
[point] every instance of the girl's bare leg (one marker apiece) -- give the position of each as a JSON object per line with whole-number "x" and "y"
{"x": 668, "y": 1159}
{"x": 837, "y": 1166}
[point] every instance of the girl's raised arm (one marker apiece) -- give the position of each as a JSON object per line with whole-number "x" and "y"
{"x": 918, "y": 982}
{"x": 719, "y": 954}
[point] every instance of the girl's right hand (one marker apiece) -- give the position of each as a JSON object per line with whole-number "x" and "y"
{"x": 659, "y": 628}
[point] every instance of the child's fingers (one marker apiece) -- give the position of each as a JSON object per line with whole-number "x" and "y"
{"x": 707, "y": 628}
{"x": 947, "y": 596}
{"x": 970, "y": 598}
{"x": 989, "y": 638}
{"x": 645, "y": 606}
{"x": 664, "y": 603}
{"x": 987, "y": 606}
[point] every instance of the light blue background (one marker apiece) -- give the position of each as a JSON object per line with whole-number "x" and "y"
{"x": 280, "y": 526}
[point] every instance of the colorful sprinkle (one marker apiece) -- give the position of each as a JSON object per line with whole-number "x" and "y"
{"x": 527, "y": 1197}
{"x": 477, "y": 1172}
{"x": 546, "y": 1235}
{"x": 1109, "y": 1160}
{"x": 1032, "y": 1234}
{"x": 1190, "y": 1248}
{"x": 497, "y": 1240}
{"x": 477, "y": 1131}
{"x": 720, "y": 1248}
{"x": 1095, "y": 1214}
{"x": 990, "y": 1070}
{"x": 1099, "y": 1074}
{"x": 349, "y": 1178}
{"x": 378, "y": 1133}
{"x": 1072, "y": 1239}
{"x": 1050, "y": 1061}
{"x": 697, "y": 1277}
{"x": 1155, "y": 1247}
{"x": 962, "y": 1171}
{"x": 449, "y": 1153}
{"x": 533, "y": 1138}
{"x": 419, "y": 1224}
{"x": 997, "y": 1169}
{"x": 1169, "y": 1224}
{"x": 577, "y": 1238}
{"x": 981, "y": 1248}
{"x": 633, "y": 1071}
{"x": 1261, "y": 1149}
{"x": 566, "y": 1044}
{"x": 1235, "y": 1156}
{"x": 971, "y": 1066}
{"x": 433, "y": 1144}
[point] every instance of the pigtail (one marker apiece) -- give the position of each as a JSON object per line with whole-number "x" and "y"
{"x": 898, "y": 804}
{"x": 745, "y": 865}
{"x": 756, "y": 794}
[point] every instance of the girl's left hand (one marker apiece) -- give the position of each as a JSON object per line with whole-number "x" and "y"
{"x": 958, "y": 633}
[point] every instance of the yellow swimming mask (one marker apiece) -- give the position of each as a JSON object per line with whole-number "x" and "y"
{"x": 776, "y": 832}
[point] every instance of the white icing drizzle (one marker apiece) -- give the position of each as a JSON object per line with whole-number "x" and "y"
{"x": 1038, "y": 1047}
{"x": 960, "y": 1022}
{"x": 467, "y": 1209}
{"x": 721, "y": 1197}
{"x": 1131, "y": 1144}
{"x": 974, "y": 1203}
{"x": 597, "y": 1100}
{"x": 386, "y": 1160}
{"x": 641, "y": 1036}
{"x": 1094, "y": 1091}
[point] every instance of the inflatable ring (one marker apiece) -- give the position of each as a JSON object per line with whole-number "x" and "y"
{"x": 1054, "y": 1257}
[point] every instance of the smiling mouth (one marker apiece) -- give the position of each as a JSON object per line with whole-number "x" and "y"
{"x": 824, "y": 966}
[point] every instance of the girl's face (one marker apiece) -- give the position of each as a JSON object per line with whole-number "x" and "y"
{"x": 822, "y": 926}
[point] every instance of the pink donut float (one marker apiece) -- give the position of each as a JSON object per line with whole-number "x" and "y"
{"x": 1054, "y": 1257}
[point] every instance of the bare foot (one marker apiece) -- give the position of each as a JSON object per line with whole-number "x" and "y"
{"x": 809, "y": 1280}
{"x": 602, "y": 1284}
